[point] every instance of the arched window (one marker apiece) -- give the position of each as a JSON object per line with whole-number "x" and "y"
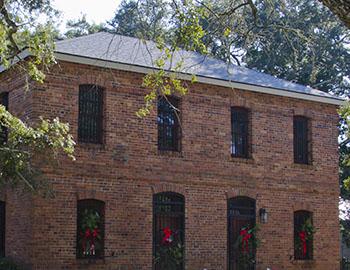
{"x": 90, "y": 228}
{"x": 240, "y": 132}
{"x": 303, "y": 235}
{"x": 168, "y": 230}
{"x": 168, "y": 124}
{"x": 241, "y": 222}
{"x": 90, "y": 125}
{"x": 2, "y": 228}
{"x": 301, "y": 140}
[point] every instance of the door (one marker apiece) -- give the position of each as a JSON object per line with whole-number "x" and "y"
{"x": 241, "y": 216}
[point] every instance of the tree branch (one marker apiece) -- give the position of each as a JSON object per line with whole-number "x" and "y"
{"x": 341, "y": 8}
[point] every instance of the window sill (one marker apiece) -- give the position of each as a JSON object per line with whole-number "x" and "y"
{"x": 94, "y": 146}
{"x": 247, "y": 160}
{"x": 304, "y": 262}
{"x": 88, "y": 261}
{"x": 303, "y": 166}
{"x": 170, "y": 153}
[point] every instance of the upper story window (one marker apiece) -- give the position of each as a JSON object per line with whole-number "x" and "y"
{"x": 90, "y": 228}
{"x": 303, "y": 235}
{"x": 301, "y": 140}
{"x": 168, "y": 124}
{"x": 90, "y": 127}
{"x": 240, "y": 132}
{"x": 4, "y": 100}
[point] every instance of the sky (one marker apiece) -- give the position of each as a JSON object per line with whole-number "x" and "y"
{"x": 96, "y": 10}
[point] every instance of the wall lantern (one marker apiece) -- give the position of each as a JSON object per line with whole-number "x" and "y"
{"x": 263, "y": 215}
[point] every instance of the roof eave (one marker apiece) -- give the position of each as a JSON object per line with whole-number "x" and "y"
{"x": 207, "y": 80}
{"x": 201, "y": 79}
{"x": 21, "y": 56}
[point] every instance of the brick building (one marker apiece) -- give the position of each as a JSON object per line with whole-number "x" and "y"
{"x": 248, "y": 149}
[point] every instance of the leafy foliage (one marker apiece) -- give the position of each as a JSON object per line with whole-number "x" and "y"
{"x": 187, "y": 34}
{"x": 301, "y": 41}
{"x": 247, "y": 243}
{"x": 340, "y": 8}
{"x": 307, "y": 230}
{"x": 20, "y": 31}
{"x": 171, "y": 252}
{"x": 146, "y": 19}
{"x": 82, "y": 27}
{"x": 90, "y": 238}
{"x": 91, "y": 220}
{"x": 26, "y": 148}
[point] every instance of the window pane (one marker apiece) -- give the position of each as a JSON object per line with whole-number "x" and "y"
{"x": 303, "y": 242}
{"x": 239, "y": 123}
{"x": 169, "y": 230}
{"x": 241, "y": 216}
{"x": 90, "y": 229}
{"x": 90, "y": 114}
{"x": 168, "y": 124}
{"x": 301, "y": 151}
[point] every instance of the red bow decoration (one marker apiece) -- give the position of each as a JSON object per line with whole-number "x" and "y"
{"x": 245, "y": 239}
{"x": 302, "y": 236}
{"x": 95, "y": 233}
{"x": 89, "y": 237}
{"x": 167, "y": 239}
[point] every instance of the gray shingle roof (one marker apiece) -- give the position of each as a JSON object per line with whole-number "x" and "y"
{"x": 133, "y": 51}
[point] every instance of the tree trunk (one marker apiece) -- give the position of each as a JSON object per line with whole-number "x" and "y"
{"x": 340, "y": 8}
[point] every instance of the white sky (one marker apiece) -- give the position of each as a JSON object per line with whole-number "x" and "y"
{"x": 96, "y": 10}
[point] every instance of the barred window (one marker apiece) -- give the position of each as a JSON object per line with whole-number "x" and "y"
{"x": 240, "y": 130}
{"x": 303, "y": 235}
{"x": 301, "y": 140}
{"x": 90, "y": 113}
{"x": 4, "y": 100}
{"x": 90, "y": 228}
{"x": 2, "y": 228}
{"x": 241, "y": 215}
{"x": 168, "y": 230}
{"x": 168, "y": 124}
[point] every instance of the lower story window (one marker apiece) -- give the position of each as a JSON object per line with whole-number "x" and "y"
{"x": 169, "y": 229}
{"x": 90, "y": 228}
{"x": 303, "y": 235}
{"x": 242, "y": 241}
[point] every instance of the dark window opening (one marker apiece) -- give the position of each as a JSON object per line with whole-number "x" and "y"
{"x": 168, "y": 230}
{"x": 4, "y": 100}
{"x": 241, "y": 216}
{"x": 240, "y": 131}
{"x": 168, "y": 124}
{"x": 303, "y": 241}
{"x": 301, "y": 140}
{"x": 90, "y": 228}
{"x": 2, "y": 228}
{"x": 90, "y": 128}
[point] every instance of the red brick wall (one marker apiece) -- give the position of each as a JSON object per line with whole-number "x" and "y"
{"x": 18, "y": 202}
{"x": 128, "y": 169}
